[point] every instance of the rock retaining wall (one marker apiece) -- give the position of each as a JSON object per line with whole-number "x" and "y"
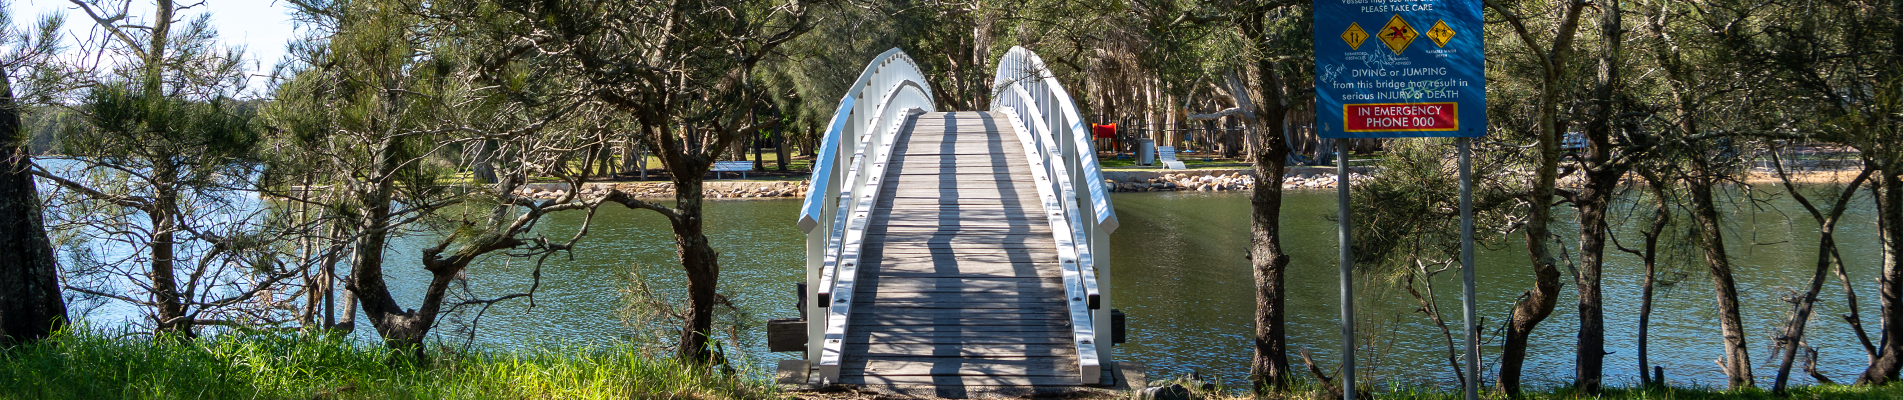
{"x": 1119, "y": 181}
{"x": 710, "y": 189}
{"x": 1217, "y": 183}
{"x": 1208, "y": 180}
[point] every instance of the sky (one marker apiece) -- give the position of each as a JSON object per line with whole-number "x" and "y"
{"x": 262, "y": 27}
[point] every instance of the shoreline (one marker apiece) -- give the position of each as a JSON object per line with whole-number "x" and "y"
{"x": 1117, "y": 181}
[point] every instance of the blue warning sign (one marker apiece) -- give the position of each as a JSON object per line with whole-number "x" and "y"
{"x": 1399, "y": 68}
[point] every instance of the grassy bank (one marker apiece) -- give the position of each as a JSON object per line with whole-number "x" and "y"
{"x": 1304, "y": 391}
{"x": 235, "y": 366}
{"x": 265, "y": 366}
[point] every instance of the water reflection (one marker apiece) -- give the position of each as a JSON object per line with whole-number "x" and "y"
{"x": 1182, "y": 278}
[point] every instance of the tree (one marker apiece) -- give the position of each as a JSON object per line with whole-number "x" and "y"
{"x": 1407, "y": 224}
{"x": 30, "y": 303}
{"x": 684, "y": 71}
{"x": 1604, "y": 164}
{"x": 1836, "y": 68}
{"x": 1552, "y": 60}
{"x": 1267, "y": 91}
{"x": 371, "y": 109}
{"x": 1698, "y": 80}
{"x": 1826, "y": 218}
{"x": 163, "y": 143}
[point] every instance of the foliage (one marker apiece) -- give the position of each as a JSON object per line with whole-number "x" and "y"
{"x": 161, "y": 146}
{"x": 1410, "y": 211}
{"x": 253, "y": 365}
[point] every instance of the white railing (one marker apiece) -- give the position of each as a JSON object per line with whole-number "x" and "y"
{"x": 1062, "y": 153}
{"x": 845, "y": 185}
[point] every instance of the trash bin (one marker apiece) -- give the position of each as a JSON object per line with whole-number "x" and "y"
{"x": 1146, "y": 151}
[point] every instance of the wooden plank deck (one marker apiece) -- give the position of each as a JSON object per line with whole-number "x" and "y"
{"x": 960, "y": 284}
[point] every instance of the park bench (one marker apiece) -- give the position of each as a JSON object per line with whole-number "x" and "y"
{"x": 732, "y": 166}
{"x": 1573, "y": 142}
{"x": 1167, "y": 155}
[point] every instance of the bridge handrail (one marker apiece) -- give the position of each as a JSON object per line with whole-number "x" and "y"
{"x": 852, "y": 187}
{"x": 1079, "y": 288}
{"x": 1062, "y": 152}
{"x": 825, "y": 162}
{"x": 1022, "y": 67}
{"x": 1065, "y": 200}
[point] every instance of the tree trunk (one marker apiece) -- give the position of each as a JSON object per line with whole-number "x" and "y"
{"x": 702, "y": 265}
{"x": 1890, "y": 289}
{"x": 759, "y": 162}
{"x": 1592, "y": 202}
{"x": 165, "y": 295}
{"x": 1536, "y": 304}
{"x": 1270, "y": 261}
{"x": 604, "y": 160}
{"x": 1794, "y": 329}
{"x": 1649, "y": 255}
{"x": 628, "y": 163}
{"x": 393, "y": 324}
{"x": 1269, "y": 367}
{"x": 779, "y": 148}
{"x": 1793, "y": 336}
{"x": 981, "y": 53}
{"x": 810, "y": 146}
{"x": 484, "y": 168}
{"x": 1737, "y": 357}
{"x": 30, "y": 303}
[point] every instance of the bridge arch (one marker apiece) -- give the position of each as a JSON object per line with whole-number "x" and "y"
{"x": 1041, "y": 217}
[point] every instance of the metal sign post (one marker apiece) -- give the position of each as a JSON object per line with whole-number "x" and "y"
{"x": 1347, "y": 272}
{"x": 1467, "y": 269}
{"x": 1401, "y": 68}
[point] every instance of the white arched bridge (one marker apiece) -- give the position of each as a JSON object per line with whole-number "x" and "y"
{"x": 957, "y": 248}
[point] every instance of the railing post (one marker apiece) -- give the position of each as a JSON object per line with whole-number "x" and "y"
{"x": 1100, "y": 263}
{"x": 815, "y": 260}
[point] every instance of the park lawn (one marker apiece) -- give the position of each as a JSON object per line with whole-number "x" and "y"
{"x": 1305, "y": 391}
{"x": 798, "y": 164}
{"x": 92, "y": 365}
{"x": 287, "y": 366}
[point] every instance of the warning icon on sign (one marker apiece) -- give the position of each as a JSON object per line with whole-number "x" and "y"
{"x": 1397, "y": 34}
{"x": 1354, "y": 35}
{"x": 1440, "y": 33}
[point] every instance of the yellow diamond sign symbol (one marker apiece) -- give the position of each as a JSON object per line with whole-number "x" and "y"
{"x": 1397, "y": 34}
{"x": 1354, "y": 36}
{"x": 1440, "y": 33}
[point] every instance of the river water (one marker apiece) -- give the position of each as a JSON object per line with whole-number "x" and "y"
{"x": 1181, "y": 276}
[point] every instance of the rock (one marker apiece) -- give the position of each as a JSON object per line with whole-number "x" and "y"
{"x": 1171, "y": 392}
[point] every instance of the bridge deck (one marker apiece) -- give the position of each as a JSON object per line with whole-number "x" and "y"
{"x": 960, "y": 283}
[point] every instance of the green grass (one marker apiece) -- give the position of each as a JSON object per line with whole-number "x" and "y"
{"x": 1111, "y": 163}
{"x": 270, "y": 366}
{"x": 1673, "y": 393}
{"x": 1305, "y": 390}
{"x": 90, "y": 365}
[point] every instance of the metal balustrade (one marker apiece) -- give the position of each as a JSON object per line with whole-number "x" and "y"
{"x": 1025, "y": 90}
{"x": 845, "y": 186}
{"x": 852, "y": 161}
